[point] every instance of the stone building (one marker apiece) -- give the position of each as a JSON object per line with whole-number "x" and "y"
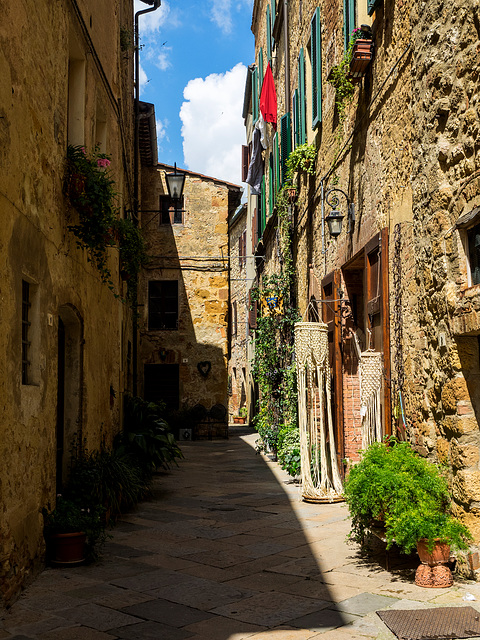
{"x": 66, "y": 80}
{"x": 238, "y": 369}
{"x": 183, "y": 293}
{"x": 400, "y": 282}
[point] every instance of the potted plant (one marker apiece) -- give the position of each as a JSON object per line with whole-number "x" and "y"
{"x": 301, "y": 159}
{"x": 361, "y": 51}
{"x": 71, "y": 531}
{"x": 242, "y": 416}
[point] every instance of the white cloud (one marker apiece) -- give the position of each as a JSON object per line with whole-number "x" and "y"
{"x": 143, "y": 78}
{"x": 222, "y": 14}
{"x": 162, "y": 126}
{"x": 151, "y": 22}
{"x": 162, "y": 61}
{"x": 212, "y": 124}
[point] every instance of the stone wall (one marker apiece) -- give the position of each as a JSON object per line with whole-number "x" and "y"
{"x": 237, "y": 365}
{"x": 195, "y": 253}
{"x": 36, "y": 42}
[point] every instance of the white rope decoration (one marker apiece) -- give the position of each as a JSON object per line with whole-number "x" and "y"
{"x": 371, "y": 385}
{"x": 321, "y": 479}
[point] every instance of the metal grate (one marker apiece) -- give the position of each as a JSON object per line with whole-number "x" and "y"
{"x": 441, "y": 623}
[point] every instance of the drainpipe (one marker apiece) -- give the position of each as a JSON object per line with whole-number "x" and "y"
{"x": 287, "y": 56}
{"x": 136, "y": 151}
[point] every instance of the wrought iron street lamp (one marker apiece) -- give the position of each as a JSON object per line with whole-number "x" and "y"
{"x": 335, "y": 217}
{"x": 175, "y": 184}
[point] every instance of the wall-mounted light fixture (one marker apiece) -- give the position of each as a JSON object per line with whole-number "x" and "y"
{"x": 175, "y": 184}
{"x": 335, "y": 217}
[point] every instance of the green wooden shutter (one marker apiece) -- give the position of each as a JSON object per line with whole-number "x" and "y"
{"x": 260, "y": 71}
{"x": 348, "y": 20}
{"x": 276, "y": 164}
{"x": 302, "y": 119}
{"x": 285, "y": 142}
{"x": 295, "y": 119}
{"x": 263, "y": 209}
{"x": 255, "y": 95}
{"x": 274, "y": 12}
{"x": 269, "y": 34}
{"x": 271, "y": 188}
{"x": 316, "y": 43}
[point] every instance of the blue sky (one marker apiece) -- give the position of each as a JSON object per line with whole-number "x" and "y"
{"x": 193, "y": 68}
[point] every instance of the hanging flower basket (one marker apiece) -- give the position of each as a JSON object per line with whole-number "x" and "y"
{"x": 362, "y": 54}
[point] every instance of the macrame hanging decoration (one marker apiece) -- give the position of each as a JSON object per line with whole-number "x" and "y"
{"x": 371, "y": 385}
{"x": 321, "y": 481}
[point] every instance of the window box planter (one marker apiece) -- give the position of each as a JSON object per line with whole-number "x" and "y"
{"x": 362, "y": 54}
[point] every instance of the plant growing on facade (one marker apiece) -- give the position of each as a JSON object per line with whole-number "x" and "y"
{"x": 90, "y": 189}
{"x": 289, "y": 450}
{"x": 301, "y": 159}
{"x": 273, "y": 366}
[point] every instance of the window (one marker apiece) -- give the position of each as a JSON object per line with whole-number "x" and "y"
{"x": 269, "y": 34}
{"x": 171, "y": 212}
{"x": 285, "y": 142}
{"x": 348, "y": 20}
{"x": 26, "y": 324}
{"x": 255, "y": 96}
{"x": 302, "y": 120}
{"x": 316, "y": 61}
{"x": 473, "y": 236}
{"x": 162, "y": 304}
{"x": 242, "y": 250}
{"x": 76, "y": 92}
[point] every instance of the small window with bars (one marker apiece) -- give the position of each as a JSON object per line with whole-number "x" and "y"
{"x": 26, "y": 325}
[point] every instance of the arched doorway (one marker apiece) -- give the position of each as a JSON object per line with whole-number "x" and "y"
{"x": 69, "y": 390}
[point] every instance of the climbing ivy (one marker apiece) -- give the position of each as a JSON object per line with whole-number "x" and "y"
{"x": 273, "y": 366}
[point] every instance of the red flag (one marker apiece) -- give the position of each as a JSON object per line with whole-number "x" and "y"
{"x": 268, "y": 98}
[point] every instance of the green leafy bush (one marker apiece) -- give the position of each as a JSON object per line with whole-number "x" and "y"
{"x": 392, "y": 481}
{"x": 289, "y": 451}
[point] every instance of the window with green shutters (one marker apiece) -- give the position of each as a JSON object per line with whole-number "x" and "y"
{"x": 348, "y": 20}
{"x": 285, "y": 142}
{"x": 269, "y": 34}
{"x": 260, "y": 71}
{"x": 271, "y": 186}
{"x": 302, "y": 119}
{"x": 274, "y": 13}
{"x": 262, "y": 218}
{"x": 316, "y": 57}
{"x": 295, "y": 119}
{"x": 276, "y": 164}
{"x": 255, "y": 94}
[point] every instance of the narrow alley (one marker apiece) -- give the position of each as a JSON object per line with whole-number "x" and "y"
{"x": 225, "y": 550}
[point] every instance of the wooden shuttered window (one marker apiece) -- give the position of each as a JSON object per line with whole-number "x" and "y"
{"x": 252, "y": 312}
{"x": 269, "y": 34}
{"x": 255, "y": 95}
{"x": 295, "y": 119}
{"x": 245, "y": 161}
{"x": 348, "y": 20}
{"x": 271, "y": 185}
{"x": 254, "y": 230}
{"x": 260, "y": 72}
{"x": 316, "y": 57}
{"x": 276, "y": 164}
{"x": 285, "y": 142}
{"x": 262, "y": 218}
{"x": 242, "y": 250}
{"x": 162, "y": 304}
{"x": 302, "y": 104}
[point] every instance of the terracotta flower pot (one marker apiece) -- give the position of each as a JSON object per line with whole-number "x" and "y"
{"x": 361, "y": 56}
{"x": 239, "y": 420}
{"x": 292, "y": 194}
{"x": 67, "y": 548}
{"x": 433, "y": 572}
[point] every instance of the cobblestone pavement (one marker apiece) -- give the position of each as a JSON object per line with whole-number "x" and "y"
{"x": 225, "y": 550}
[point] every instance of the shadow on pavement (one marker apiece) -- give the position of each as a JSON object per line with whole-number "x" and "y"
{"x": 220, "y": 552}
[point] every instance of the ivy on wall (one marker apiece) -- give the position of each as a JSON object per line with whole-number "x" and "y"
{"x": 273, "y": 365}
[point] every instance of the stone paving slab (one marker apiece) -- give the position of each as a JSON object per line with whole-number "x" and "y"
{"x": 226, "y": 550}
